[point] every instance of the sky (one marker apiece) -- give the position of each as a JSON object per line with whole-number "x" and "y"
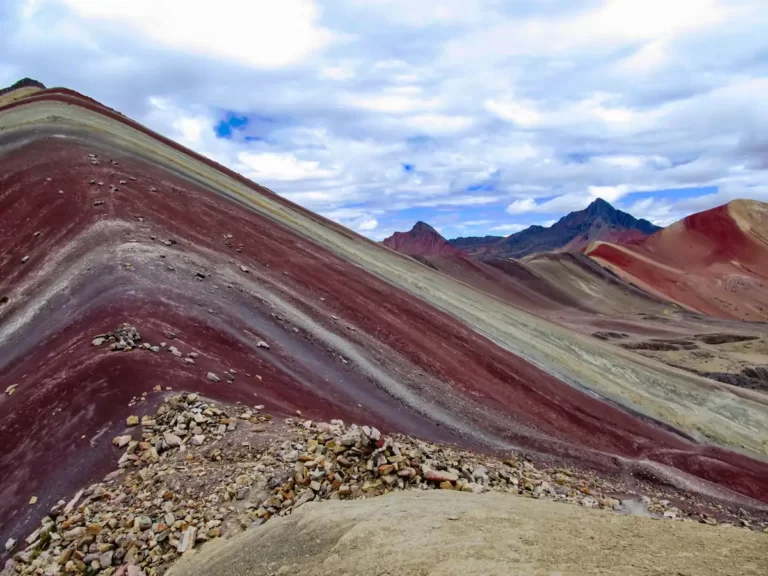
{"x": 477, "y": 116}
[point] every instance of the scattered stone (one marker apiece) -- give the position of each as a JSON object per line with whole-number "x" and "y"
{"x": 244, "y": 269}
{"x": 172, "y": 440}
{"x": 33, "y": 500}
{"x": 213, "y": 378}
{"x": 24, "y": 259}
{"x": 262, "y": 344}
{"x": 188, "y": 540}
{"x": 10, "y": 544}
{"x": 98, "y": 202}
{"x": 98, "y": 341}
{"x": 132, "y": 421}
{"x": 121, "y": 441}
{"x": 10, "y": 391}
{"x": 185, "y": 482}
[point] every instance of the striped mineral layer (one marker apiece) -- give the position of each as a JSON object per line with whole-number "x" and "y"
{"x": 103, "y": 222}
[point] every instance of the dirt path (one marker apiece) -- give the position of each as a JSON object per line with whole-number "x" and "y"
{"x": 448, "y": 533}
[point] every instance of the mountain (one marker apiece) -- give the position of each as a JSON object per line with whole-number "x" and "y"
{"x": 473, "y": 244}
{"x": 142, "y": 285}
{"x": 714, "y": 262}
{"x": 421, "y": 240}
{"x": 572, "y": 233}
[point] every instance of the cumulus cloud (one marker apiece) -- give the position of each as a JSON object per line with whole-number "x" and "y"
{"x": 232, "y": 29}
{"x": 461, "y": 112}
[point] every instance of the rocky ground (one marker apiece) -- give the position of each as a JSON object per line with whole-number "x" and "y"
{"x": 197, "y": 471}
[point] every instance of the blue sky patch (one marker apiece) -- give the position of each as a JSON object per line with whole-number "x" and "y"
{"x": 231, "y": 122}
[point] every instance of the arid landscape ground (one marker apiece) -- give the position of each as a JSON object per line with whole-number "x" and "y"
{"x": 185, "y": 355}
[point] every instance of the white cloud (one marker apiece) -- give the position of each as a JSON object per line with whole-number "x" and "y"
{"x": 521, "y": 113}
{"x": 259, "y": 34}
{"x": 522, "y": 206}
{"x": 439, "y": 123}
{"x": 392, "y": 103}
{"x": 342, "y": 71}
{"x": 608, "y": 193}
{"x": 272, "y": 166}
{"x": 539, "y": 107}
{"x": 368, "y": 225}
{"x": 650, "y": 56}
{"x": 604, "y": 25}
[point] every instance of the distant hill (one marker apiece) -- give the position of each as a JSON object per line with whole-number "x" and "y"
{"x": 421, "y": 240}
{"x": 573, "y": 233}
{"x": 714, "y": 262}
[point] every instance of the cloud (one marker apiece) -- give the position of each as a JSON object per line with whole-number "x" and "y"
{"x": 522, "y": 206}
{"x": 529, "y": 109}
{"x": 232, "y": 29}
{"x": 368, "y": 225}
{"x": 521, "y": 113}
{"x": 271, "y": 166}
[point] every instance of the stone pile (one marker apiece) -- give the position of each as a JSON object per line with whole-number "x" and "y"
{"x": 195, "y": 471}
{"x": 144, "y": 514}
{"x": 125, "y": 339}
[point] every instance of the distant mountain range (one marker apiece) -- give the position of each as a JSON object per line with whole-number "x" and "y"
{"x": 572, "y": 233}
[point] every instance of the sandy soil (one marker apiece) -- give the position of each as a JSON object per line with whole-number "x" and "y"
{"x": 448, "y": 533}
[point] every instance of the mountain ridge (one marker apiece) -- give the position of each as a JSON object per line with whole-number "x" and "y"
{"x": 573, "y": 232}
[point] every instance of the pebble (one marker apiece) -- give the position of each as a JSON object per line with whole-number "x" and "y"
{"x": 262, "y": 344}
{"x": 213, "y": 378}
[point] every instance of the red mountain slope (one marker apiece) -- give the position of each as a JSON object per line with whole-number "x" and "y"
{"x": 714, "y": 262}
{"x": 104, "y": 222}
{"x": 421, "y": 240}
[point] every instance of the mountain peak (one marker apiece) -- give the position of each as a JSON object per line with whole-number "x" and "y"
{"x": 421, "y": 240}
{"x": 422, "y": 226}
{"x": 572, "y": 233}
{"x": 600, "y": 204}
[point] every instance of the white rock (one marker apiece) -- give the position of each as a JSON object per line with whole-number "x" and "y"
{"x": 187, "y": 540}
{"x": 121, "y": 441}
{"x": 213, "y": 378}
{"x": 262, "y": 344}
{"x": 171, "y": 439}
{"x": 98, "y": 341}
{"x": 198, "y": 440}
{"x": 9, "y": 544}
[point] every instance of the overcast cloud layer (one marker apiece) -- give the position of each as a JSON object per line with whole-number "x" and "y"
{"x": 480, "y": 117}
